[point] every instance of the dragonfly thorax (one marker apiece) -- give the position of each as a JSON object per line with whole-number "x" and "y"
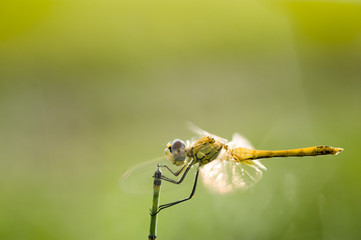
{"x": 205, "y": 150}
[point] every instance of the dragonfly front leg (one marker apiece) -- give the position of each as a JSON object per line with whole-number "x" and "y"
{"x": 186, "y": 167}
{"x": 164, "y": 206}
{"x": 170, "y": 170}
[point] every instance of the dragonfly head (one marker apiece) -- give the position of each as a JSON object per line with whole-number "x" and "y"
{"x": 176, "y": 152}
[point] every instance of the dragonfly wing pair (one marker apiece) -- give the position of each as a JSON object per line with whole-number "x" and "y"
{"x": 224, "y": 175}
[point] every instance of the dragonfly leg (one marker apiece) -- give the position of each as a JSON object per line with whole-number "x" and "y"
{"x": 174, "y": 173}
{"x": 164, "y": 206}
{"x": 183, "y": 176}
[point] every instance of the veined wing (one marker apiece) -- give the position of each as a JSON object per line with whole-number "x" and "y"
{"x": 139, "y": 178}
{"x": 224, "y": 176}
{"x": 239, "y": 141}
{"x": 202, "y": 133}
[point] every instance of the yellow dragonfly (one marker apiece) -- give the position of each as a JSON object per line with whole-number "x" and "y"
{"x": 225, "y": 166}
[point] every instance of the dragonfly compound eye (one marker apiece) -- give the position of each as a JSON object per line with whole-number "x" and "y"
{"x": 178, "y": 150}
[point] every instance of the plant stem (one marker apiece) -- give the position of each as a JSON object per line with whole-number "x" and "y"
{"x": 156, "y": 192}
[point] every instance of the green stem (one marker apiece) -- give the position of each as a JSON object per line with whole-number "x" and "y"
{"x": 154, "y": 209}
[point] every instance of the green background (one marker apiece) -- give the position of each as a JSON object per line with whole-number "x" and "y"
{"x": 90, "y": 88}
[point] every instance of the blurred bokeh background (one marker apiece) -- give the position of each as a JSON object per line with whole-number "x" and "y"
{"x": 90, "y": 88}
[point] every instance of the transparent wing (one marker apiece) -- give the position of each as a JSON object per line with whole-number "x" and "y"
{"x": 202, "y": 133}
{"x": 239, "y": 141}
{"x": 139, "y": 178}
{"x": 224, "y": 175}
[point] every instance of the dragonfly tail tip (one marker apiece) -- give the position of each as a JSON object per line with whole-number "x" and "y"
{"x": 337, "y": 150}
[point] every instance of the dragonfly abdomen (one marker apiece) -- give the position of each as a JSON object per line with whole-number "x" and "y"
{"x": 249, "y": 154}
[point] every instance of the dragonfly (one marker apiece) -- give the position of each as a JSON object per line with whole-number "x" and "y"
{"x": 224, "y": 166}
